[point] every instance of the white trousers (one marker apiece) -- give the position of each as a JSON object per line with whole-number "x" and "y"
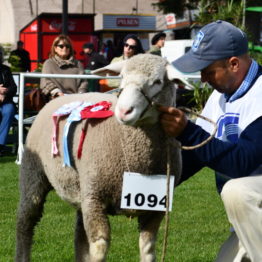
{"x": 242, "y": 198}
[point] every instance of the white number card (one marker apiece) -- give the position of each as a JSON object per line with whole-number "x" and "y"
{"x": 146, "y": 192}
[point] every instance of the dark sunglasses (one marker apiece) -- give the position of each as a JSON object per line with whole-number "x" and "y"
{"x": 133, "y": 47}
{"x": 62, "y": 46}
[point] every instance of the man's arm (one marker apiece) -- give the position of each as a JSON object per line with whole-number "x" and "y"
{"x": 234, "y": 160}
{"x": 8, "y": 88}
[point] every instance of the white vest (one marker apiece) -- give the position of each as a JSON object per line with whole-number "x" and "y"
{"x": 232, "y": 117}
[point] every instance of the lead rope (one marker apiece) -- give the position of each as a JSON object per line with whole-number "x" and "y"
{"x": 168, "y": 171}
{"x": 186, "y": 110}
{"x": 122, "y": 145}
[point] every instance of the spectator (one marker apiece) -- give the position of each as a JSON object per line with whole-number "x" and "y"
{"x": 24, "y": 63}
{"x": 132, "y": 46}
{"x": 95, "y": 61}
{"x": 61, "y": 61}
{"x": 158, "y": 41}
{"x": 220, "y": 52}
{"x": 8, "y": 90}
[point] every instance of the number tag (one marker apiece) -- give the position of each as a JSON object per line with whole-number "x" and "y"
{"x": 146, "y": 192}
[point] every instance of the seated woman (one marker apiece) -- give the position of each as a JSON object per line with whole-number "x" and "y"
{"x": 8, "y": 90}
{"x": 131, "y": 46}
{"x": 61, "y": 61}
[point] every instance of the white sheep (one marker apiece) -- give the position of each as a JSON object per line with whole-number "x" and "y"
{"x": 94, "y": 184}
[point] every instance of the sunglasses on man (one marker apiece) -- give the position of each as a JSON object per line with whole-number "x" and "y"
{"x": 62, "y": 46}
{"x": 133, "y": 47}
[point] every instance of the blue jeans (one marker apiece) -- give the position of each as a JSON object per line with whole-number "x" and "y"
{"x": 7, "y": 113}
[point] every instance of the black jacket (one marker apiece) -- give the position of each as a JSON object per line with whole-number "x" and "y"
{"x": 25, "y": 62}
{"x": 6, "y": 78}
{"x": 96, "y": 61}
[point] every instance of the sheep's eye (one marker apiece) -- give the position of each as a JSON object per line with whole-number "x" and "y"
{"x": 157, "y": 82}
{"x": 119, "y": 92}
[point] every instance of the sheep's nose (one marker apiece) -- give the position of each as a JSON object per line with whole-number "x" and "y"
{"x": 124, "y": 112}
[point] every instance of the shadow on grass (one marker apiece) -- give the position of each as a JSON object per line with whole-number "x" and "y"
{"x": 7, "y": 159}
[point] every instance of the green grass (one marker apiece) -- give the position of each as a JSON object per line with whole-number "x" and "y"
{"x": 198, "y": 224}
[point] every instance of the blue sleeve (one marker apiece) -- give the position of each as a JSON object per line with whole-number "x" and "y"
{"x": 233, "y": 160}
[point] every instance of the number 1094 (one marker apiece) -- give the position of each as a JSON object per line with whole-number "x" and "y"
{"x": 141, "y": 200}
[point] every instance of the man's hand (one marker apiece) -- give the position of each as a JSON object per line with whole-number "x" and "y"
{"x": 3, "y": 90}
{"x": 2, "y": 98}
{"x": 173, "y": 120}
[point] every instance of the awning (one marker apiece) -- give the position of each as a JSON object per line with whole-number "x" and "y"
{"x": 254, "y": 8}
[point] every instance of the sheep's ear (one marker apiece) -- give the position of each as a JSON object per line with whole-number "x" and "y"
{"x": 174, "y": 74}
{"x": 111, "y": 69}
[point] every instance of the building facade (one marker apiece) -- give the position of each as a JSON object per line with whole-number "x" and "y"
{"x": 16, "y": 14}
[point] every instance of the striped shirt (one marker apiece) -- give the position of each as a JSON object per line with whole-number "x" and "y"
{"x": 246, "y": 84}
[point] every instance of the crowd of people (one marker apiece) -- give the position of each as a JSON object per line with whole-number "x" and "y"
{"x": 61, "y": 61}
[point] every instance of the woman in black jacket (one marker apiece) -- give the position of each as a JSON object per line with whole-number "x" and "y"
{"x": 8, "y": 89}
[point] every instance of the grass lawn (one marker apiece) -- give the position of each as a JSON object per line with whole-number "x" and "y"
{"x": 198, "y": 224}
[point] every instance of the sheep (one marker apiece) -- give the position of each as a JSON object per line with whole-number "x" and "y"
{"x": 132, "y": 140}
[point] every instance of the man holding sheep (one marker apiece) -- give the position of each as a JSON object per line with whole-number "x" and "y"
{"x": 220, "y": 52}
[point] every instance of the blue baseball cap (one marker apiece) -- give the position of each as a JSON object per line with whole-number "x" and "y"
{"x": 215, "y": 41}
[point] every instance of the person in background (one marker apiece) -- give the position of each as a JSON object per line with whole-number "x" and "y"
{"x": 158, "y": 41}
{"x": 131, "y": 46}
{"x": 220, "y": 52}
{"x": 24, "y": 63}
{"x": 8, "y": 90}
{"x": 95, "y": 61}
{"x": 61, "y": 61}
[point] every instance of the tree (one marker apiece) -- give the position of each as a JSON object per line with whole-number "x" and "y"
{"x": 228, "y": 10}
{"x": 209, "y": 10}
{"x": 175, "y": 6}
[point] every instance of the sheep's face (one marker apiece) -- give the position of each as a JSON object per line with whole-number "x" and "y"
{"x": 143, "y": 81}
{"x": 146, "y": 78}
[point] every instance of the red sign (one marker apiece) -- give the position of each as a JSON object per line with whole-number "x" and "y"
{"x": 170, "y": 19}
{"x": 127, "y": 21}
{"x": 74, "y": 24}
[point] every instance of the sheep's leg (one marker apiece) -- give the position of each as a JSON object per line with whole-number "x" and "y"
{"x": 33, "y": 195}
{"x": 97, "y": 228}
{"x": 81, "y": 243}
{"x": 148, "y": 228}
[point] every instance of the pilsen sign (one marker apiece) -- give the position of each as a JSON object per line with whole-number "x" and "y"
{"x": 125, "y": 22}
